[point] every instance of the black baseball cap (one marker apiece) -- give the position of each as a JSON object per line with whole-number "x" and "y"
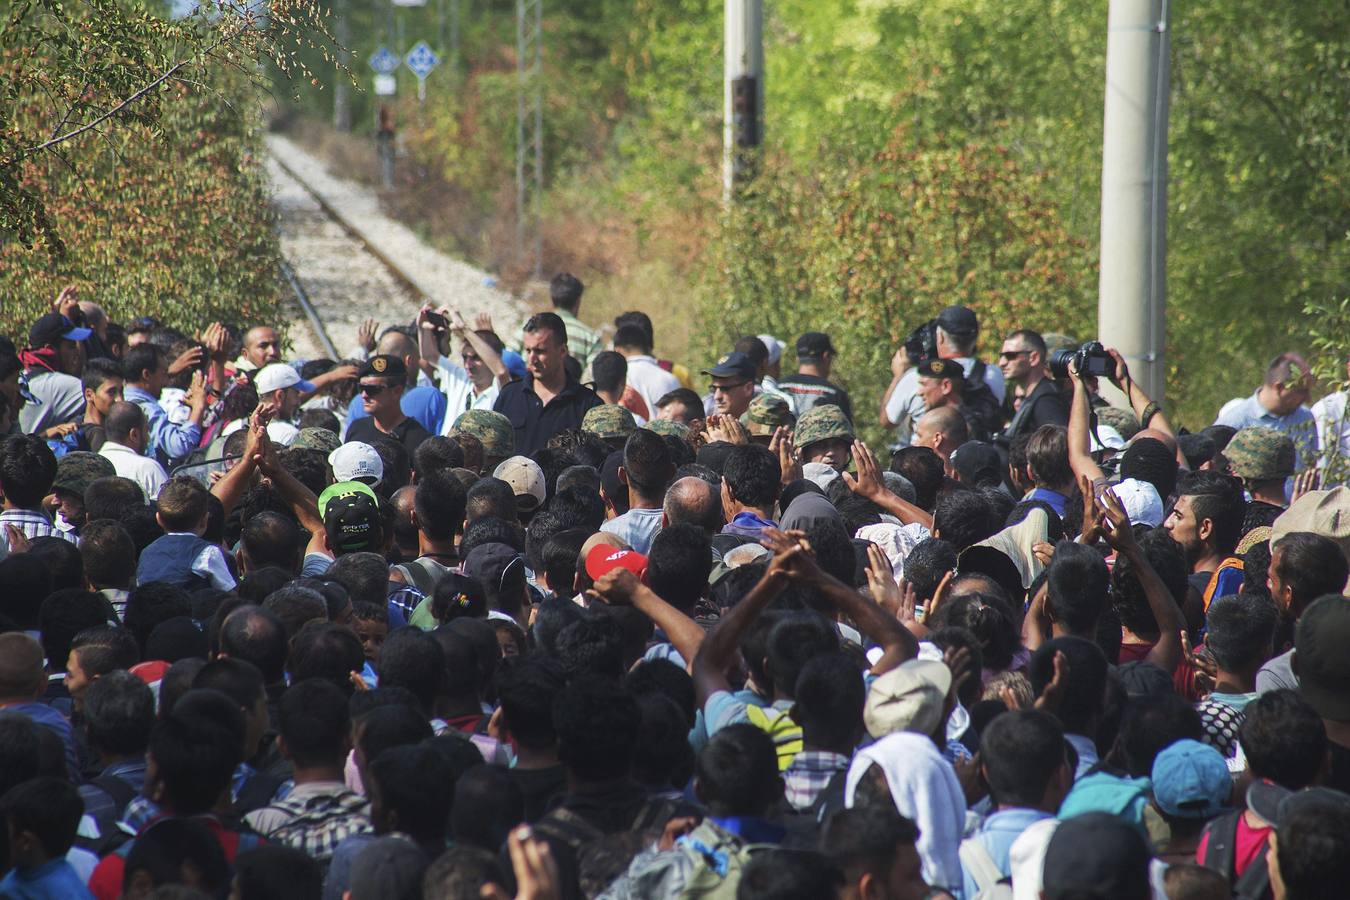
{"x": 383, "y": 365}
{"x": 1273, "y": 803}
{"x": 351, "y": 517}
{"x": 814, "y": 345}
{"x": 1321, "y": 663}
{"x": 959, "y": 321}
{"x": 941, "y": 368}
{"x": 977, "y": 461}
{"x": 734, "y": 365}
{"x": 54, "y": 327}
{"x": 1097, "y": 854}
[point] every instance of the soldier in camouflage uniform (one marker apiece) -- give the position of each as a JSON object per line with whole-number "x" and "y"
{"x": 767, "y": 413}
{"x": 612, "y": 424}
{"x": 74, "y": 473}
{"x": 1263, "y": 458}
{"x": 825, "y": 435}
{"x": 492, "y": 429}
{"x": 669, "y": 426}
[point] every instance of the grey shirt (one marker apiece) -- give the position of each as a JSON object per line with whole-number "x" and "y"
{"x": 637, "y": 528}
{"x": 1277, "y": 674}
{"x": 60, "y": 398}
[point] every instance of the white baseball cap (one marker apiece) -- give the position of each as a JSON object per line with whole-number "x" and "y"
{"x": 774, "y": 346}
{"x": 357, "y": 461}
{"x": 1141, "y": 502}
{"x": 275, "y": 376}
{"x": 526, "y": 479}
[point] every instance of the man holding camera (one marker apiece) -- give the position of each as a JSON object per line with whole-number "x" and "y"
{"x": 952, "y": 335}
{"x": 1035, "y": 400}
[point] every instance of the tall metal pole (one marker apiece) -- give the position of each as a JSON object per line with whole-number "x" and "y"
{"x": 342, "y": 113}
{"x": 1132, "y": 292}
{"x": 529, "y": 129}
{"x": 743, "y": 94}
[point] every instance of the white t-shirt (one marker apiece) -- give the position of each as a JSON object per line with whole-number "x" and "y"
{"x": 144, "y": 470}
{"x": 650, "y": 380}
{"x": 459, "y": 393}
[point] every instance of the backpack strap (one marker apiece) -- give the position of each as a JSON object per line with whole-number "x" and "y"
{"x": 257, "y": 792}
{"x": 1220, "y": 847}
{"x": 831, "y": 799}
{"x": 416, "y": 574}
{"x": 117, "y": 789}
{"x": 977, "y": 862}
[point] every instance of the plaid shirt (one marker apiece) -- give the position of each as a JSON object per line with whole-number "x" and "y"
{"x": 809, "y": 774}
{"x": 34, "y": 523}
{"x": 315, "y": 818}
{"x": 583, "y": 342}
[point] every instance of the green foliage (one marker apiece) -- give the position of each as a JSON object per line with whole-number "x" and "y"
{"x": 130, "y": 159}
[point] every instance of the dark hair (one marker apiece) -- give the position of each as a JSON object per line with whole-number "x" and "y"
{"x": 460, "y": 873}
{"x": 413, "y": 659}
{"x": 789, "y": 875}
{"x": 295, "y": 604}
{"x": 488, "y": 804}
{"x": 258, "y": 585}
{"x": 49, "y": 808}
{"x": 1048, "y": 456}
{"x": 97, "y": 371}
{"x": 106, "y": 497}
{"x": 196, "y": 748}
{"x": 1148, "y": 459}
{"x": 964, "y": 517}
{"x": 753, "y": 475}
{"x": 27, "y": 750}
{"x": 864, "y": 839}
{"x": 679, "y": 564}
{"x": 153, "y": 602}
{"x": 108, "y": 554}
{"x": 1086, "y": 682}
{"x": 1151, "y": 725}
{"x": 989, "y": 619}
{"x": 397, "y": 463}
{"x": 437, "y": 453}
{"x": 416, "y": 783}
{"x": 277, "y": 872}
{"x": 925, "y": 470}
{"x": 314, "y": 722}
{"x": 1310, "y": 565}
{"x": 527, "y": 688}
{"x": 578, "y": 507}
{"x": 105, "y": 648}
{"x": 1313, "y": 850}
{"x": 691, "y": 402}
{"x": 364, "y": 575}
{"x": 490, "y": 497}
{"x": 559, "y": 557}
{"x": 64, "y": 614}
{"x": 632, "y": 336}
{"x": 328, "y": 652}
{"x": 609, "y": 370}
{"x": 392, "y": 724}
{"x": 143, "y": 357}
{"x": 592, "y": 645}
{"x": 795, "y": 640}
{"x": 640, "y": 319}
{"x": 1021, "y": 751}
{"x": 256, "y": 635}
{"x": 927, "y": 563}
{"x": 547, "y": 321}
{"x": 1077, "y": 586}
{"x": 1217, "y": 498}
{"x": 1284, "y": 739}
{"x": 27, "y": 469}
{"x": 307, "y": 466}
{"x": 565, "y": 290}
{"x": 597, "y": 723}
{"x": 163, "y": 849}
{"x": 737, "y": 772}
{"x": 1239, "y": 630}
{"x": 647, "y": 464}
{"x": 119, "y": 713}
{"x": 270, "y": 539}
{"x": 1168, "y": 561}
{"x": 829, "y": 698}
{"x": 439, "y": 502}
{"x": 238, "y": 680}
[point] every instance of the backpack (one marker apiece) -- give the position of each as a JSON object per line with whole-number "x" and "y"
{"x": 257, "y": 792}
{"x": 111, "y": 834}
{"x": 979, "y": 405}
{"x": 422, "y": 574}
{"x": 718, "y": 860}
{"x": 990, "y": 882}
{"x": 777, "y": 724}
{"x": 317, "y": 825}
{"x": 1220, "y": 855}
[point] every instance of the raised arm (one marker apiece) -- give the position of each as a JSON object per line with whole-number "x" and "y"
{"x": 1080, "y": 444}
{"x": 870, "y": 484}
{"x": 235, "y": 482}
{"x": 1167, "y": 653}
{"x": 621, "y": 587}
{"x": 718, "y": 649}
{"x": 299, "y": 498}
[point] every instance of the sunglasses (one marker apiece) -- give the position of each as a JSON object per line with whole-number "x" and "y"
{"x": 373, "y": 390}
{"x": 1013, "y": 354}
{"x": 728, "y": 388}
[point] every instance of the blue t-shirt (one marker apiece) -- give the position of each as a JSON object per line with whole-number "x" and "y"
{"x": 56, "y": 880}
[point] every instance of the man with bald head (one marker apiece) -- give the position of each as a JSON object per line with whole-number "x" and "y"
{"x": 128, "y": 435}
{"x": 693, "y": 501}
{"x": 423, "y": 403}
{"x": 943, "y": 430}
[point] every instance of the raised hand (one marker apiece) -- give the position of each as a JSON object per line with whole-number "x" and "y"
{"x": 615, "y": 588}
{"x": 1116, "y": 527}
{"x": 781, "y": 444}
{"x": 1305, "y": 481}
{"x": 365, "y": 334}
{"x": 868, "y": 482}
{"x": 1050, "y": 698}
{"x": 188, "y": 359}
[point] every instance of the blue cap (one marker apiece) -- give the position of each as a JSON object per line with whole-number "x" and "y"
{"x": 514, "y": 362}
{"x": 1191, "y": 781}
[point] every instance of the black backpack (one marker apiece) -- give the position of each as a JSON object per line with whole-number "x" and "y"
{"x": 1220, "y": 855}
{"x": 980, "y": 406}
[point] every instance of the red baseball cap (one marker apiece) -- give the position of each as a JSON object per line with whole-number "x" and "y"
{"x": 604, "y": 558}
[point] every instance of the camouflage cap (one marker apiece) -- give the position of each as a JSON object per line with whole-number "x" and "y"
{"x": 822, "y": 422}
{"x": 491, "y": 428}
{"x": 766, "y": 413}
{"x": 1260, "y": 454}
{"x": 1122, "y": 420}
{"x": 320, "y": 439}
{"x": 608, "y": 421}
{"x": 78, "y": 469}
{"x": 666, "y": 426}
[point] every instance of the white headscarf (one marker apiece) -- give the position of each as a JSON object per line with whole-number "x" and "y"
{"x": 926, "y": 791}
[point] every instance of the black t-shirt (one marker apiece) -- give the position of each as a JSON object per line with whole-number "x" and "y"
{"x": 540, "y": 787}
{"x": 808, "y": 390}
{"x": 409, "y": 433}
{"x": 1339, "y": 779}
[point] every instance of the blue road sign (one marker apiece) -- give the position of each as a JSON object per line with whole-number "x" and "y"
{"x": 383, "y": 61}
{"x": 421, "y": 59}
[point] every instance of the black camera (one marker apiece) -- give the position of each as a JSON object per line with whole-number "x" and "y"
{"x": 922, "y": 342}
{"x": 1089, "y": 359}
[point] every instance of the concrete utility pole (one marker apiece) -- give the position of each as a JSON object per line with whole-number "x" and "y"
{"x": 529, "y": 129}
{"x": 742, "y": 125}
{"x": 1132, "y": 293}
{"x": 342, "y": 113}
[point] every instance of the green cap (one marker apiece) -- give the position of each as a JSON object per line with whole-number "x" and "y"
{"x": 491, "y": 428}
{"x": 343, "y": 489}
{"x": 666, "y": 426}
{"x": 1257, "y": 453}
{"x": 608, "y": 421}
{"x": 77, "y": 469}
{"x": 320, "y": 439}
{"x": 822, "y": 422}
{"x": 767, "y": 412}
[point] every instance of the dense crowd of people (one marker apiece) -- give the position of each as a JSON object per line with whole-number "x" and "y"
{"x": 542, "y": 614}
